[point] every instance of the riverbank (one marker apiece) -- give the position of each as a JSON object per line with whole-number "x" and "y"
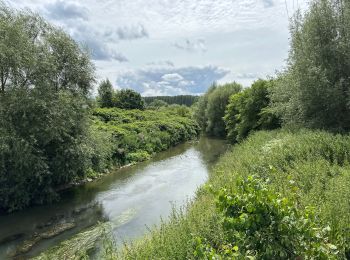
{"x": 133, "y": 136}
{"x": 112, "y": 138}
{"x": 300, "y": 178}
{"x": 93, "y": 177}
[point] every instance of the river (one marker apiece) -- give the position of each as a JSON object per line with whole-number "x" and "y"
{"x": 147, "y": 191}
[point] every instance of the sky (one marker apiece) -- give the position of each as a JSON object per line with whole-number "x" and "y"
{"x": 176, "y": 47}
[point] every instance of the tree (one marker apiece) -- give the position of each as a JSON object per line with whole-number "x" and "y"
{"x": 314, "y": 89}
{"x": 45, "y": 80}
{"x": 216, "y": 107}
{"x": 200, "y": 108}
{"x": 128, "y": 99}
{"x": 187, "y": 100}
{"x": 105, "y": 94}
{"x": 248, "y": 111}
{"x": 35, "y": 53}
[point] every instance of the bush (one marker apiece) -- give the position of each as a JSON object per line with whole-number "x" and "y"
{"x": 54, "y": 148}
{"x": 139, "y": 156}
{"x": 265, "y": 225}
{"x": 248, "y": 111}
{"x": 136, "y": 135}
{"x": 311, "y": 167}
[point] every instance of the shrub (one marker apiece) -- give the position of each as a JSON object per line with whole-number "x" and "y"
{"x": 265, "y": 225}
{"x": 136, "y": 134}
{"x": 247, "y": 111}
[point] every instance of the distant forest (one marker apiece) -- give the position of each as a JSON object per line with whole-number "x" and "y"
{"x": 187, "y": 100}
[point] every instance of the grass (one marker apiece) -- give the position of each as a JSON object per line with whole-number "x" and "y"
{"x": 310, "y": 168}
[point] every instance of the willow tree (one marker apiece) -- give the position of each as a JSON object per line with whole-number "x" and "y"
{"x": 314, "y": 91}
{"x": 211, "y": 108}
{"x": 45, "y": 80}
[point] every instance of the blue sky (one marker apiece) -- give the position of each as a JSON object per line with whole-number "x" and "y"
{"x": 172, "y": 47}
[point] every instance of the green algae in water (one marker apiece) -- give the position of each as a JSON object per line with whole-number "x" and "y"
{"x": 78, "y": 246}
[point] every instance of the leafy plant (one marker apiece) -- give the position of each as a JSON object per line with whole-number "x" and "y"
{"x": 265, "y": 225}
{"x": 248, "y": 111}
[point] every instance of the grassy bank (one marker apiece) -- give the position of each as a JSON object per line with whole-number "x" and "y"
{"x": 135, "y": 135}
{"x": 298, "y": 202}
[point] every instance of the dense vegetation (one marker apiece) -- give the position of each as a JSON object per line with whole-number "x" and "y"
{"x": 186, "y": 100}
{"x": 135, "y": 135}
{"x": 50, "y": 135}
{"x": 248, "y": 111}
{"x": 278, "y": 194}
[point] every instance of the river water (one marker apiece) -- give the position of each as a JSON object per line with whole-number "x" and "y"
{"x": 146, "y": 192}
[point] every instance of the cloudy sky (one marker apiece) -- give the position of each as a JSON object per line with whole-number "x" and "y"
{"x": 172, "y": 47}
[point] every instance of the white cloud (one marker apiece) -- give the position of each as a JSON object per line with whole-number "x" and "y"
{"x": 248, "y": 37}
{"x": 172, "y": 77}
{"x": 171, "y": 80}
{"x": 62, "y": 10}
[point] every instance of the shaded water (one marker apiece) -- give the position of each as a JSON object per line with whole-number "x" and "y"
{"x": 147, "y": 191}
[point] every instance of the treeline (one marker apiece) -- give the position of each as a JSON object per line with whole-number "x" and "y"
{"x": 232, "y": 111}
{"x": 51, "y": 133}
{"x": 187, "y": 100}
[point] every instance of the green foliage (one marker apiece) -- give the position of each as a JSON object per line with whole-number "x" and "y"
{"x": 105, "y": 94}
{"x": 136, "y": 135}
{"x": 45, "y": 78}
{"x": 186, "y": 100}
{"x": 124, "y": 99}
{"x": 138, "y": 156}
{"x": 314, "y": 90}
{"x": 43, "y": 143}
{"x": 311, "y": 167}
{"x": 211, "y": 108}
{"x": 32, "y": 52}
{"x": 201, "y": 107}
{"x": 265, "y": 225}
{"x": 247, "y": 111}
{"x": 215, "y": 111}
{"x": 128, "y": 99}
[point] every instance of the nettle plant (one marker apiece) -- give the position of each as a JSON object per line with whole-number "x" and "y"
{"x": 260, "y": 224}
